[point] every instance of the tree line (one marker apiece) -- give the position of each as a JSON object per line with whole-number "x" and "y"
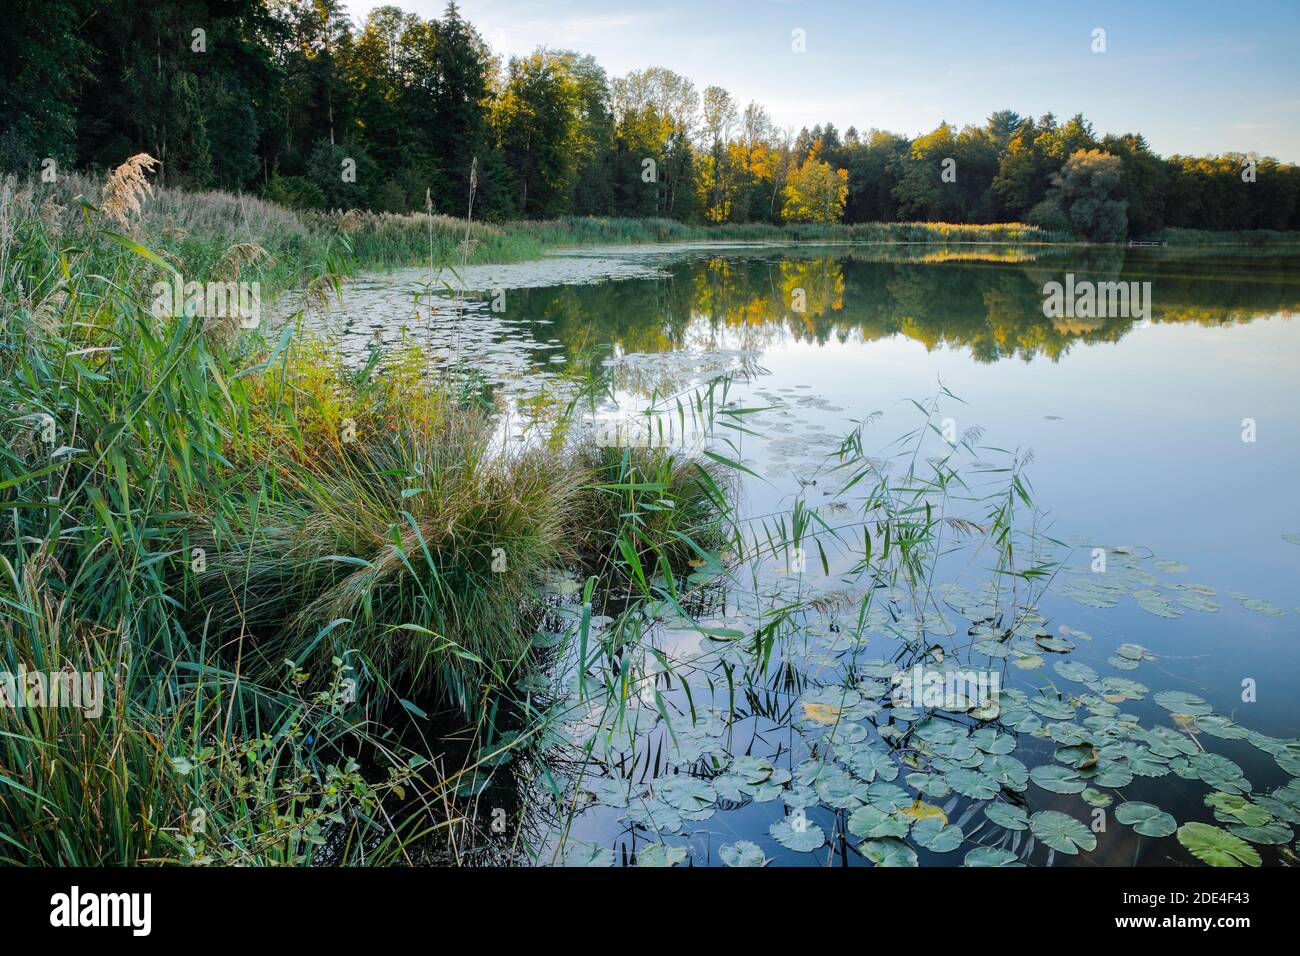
{"x": 292, "y": 100}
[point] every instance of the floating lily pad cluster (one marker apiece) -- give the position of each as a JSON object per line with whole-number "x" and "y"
{"x": 1019, "y": 781}
{"x": 1121, "y": 575}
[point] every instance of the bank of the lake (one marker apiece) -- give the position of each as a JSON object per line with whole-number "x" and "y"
{"x": 343, "y": 617}
{"x": 197, "y": 230}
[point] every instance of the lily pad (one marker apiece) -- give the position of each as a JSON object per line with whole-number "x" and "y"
{"x": 1234, "y": 808}
{"x": 1146, "y": 819}
{"x": 887, "y": 797}
{"x": 1061, "y": 832}
{"x": 1075, "y": 671}
{"x": 937, "y": 836}
{"x": 742, "y": 853}
{"x": 991, "y": 856}
{"x": 1095, "y": 798}
{"x": 660, "y": 855}
{"x": 973, "y": 784}
{"x": 1181, "y": 702}
{"x": 871, "y": 823}
{"x": 655, "y": 815}
{"x": 803, "y": 836}
{"x": 577, "y": 853}
{"x": 1216, "y": 846}
{"x": 1007, "y": 815}
{"x": 1260, "y": 606}
{"x": 800, "y": 797}
{"x": 1271, "y": 834}
{"x": 1057, "y": 779}
{"x": 686, "y": 794}
{"x": 889, "y": 852}
{"x": 867, "y": 765}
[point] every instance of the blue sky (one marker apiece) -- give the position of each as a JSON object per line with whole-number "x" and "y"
{"x": 1195, "y": 77}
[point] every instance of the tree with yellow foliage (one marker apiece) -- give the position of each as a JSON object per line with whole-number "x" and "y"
{"x": 815, "y": 192}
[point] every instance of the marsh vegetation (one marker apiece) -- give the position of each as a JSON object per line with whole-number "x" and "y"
{"x": 662, "y": 601}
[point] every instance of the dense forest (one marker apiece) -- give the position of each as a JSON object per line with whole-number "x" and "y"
{"x": 293, "y": 101}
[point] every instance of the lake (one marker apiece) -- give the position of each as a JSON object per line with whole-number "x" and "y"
{"x": 1139, "y": 618}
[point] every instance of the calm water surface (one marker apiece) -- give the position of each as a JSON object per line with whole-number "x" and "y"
{"x": 1133, "y": 430}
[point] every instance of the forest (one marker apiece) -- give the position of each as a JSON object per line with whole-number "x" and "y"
{"x": 293, "y": 101}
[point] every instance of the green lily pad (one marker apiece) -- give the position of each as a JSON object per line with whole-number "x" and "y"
{"x": 1057, "y": 779}
{"x": 870, "y": 823}
{"x": 742, "y": 853}
{"x": 1219, "y": 772}
{"x": 973, "y": 784}
{"x": 655, "y": 815}
{"x": 1260, "y": 606}
{"x": 803, "y": 836}
{"x": 889, "y": 852}
{"x": 1234, "y": 808}
{"x": 867, "y": 765}
{"x": 1006, "y": 771}
{"x": 688, "y": 794}
{"x": 991, "y": 856}
{"x": 1181, "y": 702}
{"x": 800, "y": 797}
{"x": 933, "y": 834}
{"x": 1075, "y": 671}
{"x": 887, "y": 797}
{"x": 1216, "y": 846}
{"x": 577, "y": 853}
{"x": 1221, "y": 727}
{"x": 660, "y": 855}
{"x": 1146, "y": 819}
{"x": 932, "y": 785}
{"x": 1270, "y": 834}
{"x": 1007, "y": 815}
{"x": 1095, "y": 798}
{"x": 840, "y": 791}
{"x": 1061, "y": 832}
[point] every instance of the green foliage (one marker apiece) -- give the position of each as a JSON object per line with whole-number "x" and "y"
{"x": 296, "y": 192}
{"x": 1082, "y": 201}
{"x": 284, "y": 92}
{"x": 261, "y": 551}
{"x": 536, "y": 119}
{"x": 338, "y": 172}
{"x": 815, "y": 193}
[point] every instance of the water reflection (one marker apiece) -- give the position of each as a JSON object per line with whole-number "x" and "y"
{"x": 1130, "y": 444}
{"x": 989, "y": 303}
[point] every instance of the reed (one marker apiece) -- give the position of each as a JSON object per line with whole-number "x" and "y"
{"x": 260, "y": 549}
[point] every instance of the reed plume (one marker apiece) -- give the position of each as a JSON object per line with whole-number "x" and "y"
{"x": 126, "y": 187}
{"x": 239, "y": 254}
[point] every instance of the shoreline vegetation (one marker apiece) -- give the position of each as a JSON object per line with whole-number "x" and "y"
{"x": 196, "y": 230}
{"x": 287, "y": 572}
{"x": 318, "y": 595}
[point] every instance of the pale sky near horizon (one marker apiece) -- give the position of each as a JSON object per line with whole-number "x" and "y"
{"x": 1195, "y": 77}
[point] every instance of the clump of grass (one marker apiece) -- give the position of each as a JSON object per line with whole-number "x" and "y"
{"x": 74, "y": 789}
{"x": 405, "y": 535}
{"x": 650, "y": 512}
{"x": 421, "y": 548}
{"x": 157, "y": 773}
